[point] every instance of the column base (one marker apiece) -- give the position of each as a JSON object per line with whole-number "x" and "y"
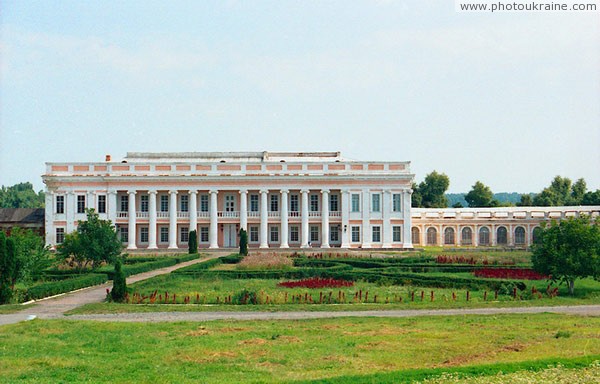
{"x": 152, "y": 246}
{"x": 325, "y": 246}
{"x": 304, "y": 246}
{"x": 173, "y": 247}
{"x": 384, "y": 245}
{"x": 366, "y": 245}
{"x": 263, "y": 246}
{"x": 345, "y": 246}
{"x": 284, "y": 246}
{"x": 213, "y": 246}
{"x": 131, "y": 247}
{"x": 407, "y": 246}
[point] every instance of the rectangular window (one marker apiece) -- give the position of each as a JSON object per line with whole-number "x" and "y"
{"x": 101, "y": 203}
{"x": 293, "y": 203}
{"x": 204, "y": 234}
{"x": 355, "y": 202}
{"x": 314, "y": 203}
{"x": 397, "y": 202}
{"x": 80, "y": 203}
{"x": 144, "y": 234}
{"x": 294, "y": 237}
{"x": 396, "y": 233}
{"x": 124, "y": 234}
{"x": 274, "y": 234}
{"x": 184, "y": 203}
{"x": 376, "y": 234}
{"x": 254, "y": 203}
{"x": 60, "y": 235}
{"x": 124, "y": 203}
{"x": 356, "y": 234}
{"x": 334, "y": 233}
{"x": 184, "y": 234}
{"x": 203, "y": 203}
{"x": 164, "y": 203}
{"x": 314, "y": 233}
{"x": 60, "y": 205}
{"x": 376, "y": 200}
{"x": 274, "y": 203}
{"x": 144, "y": 203}
{"x": 334, "y": 203}
{"x": 254, "y": 234}
{"x": 164, "y": 234}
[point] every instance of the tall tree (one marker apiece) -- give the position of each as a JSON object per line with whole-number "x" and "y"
{"x": 568, "y": 250}
{"x": 8, "y": 268}
{"x": 432, "y": 190}
{"x": 591, "y": 198}
{"x": 21, "y": 195}
{"x": 577, "y": 192}
{"x": 526, "y": 200}
{"x": 480, "y": 195}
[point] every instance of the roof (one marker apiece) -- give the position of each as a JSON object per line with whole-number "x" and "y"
{"x": 22, "y": 215}
{"x": 233, "y": 156}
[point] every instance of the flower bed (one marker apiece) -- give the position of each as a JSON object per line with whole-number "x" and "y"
{"x": 509, "y": 273}
{"x": 316, "y": 282}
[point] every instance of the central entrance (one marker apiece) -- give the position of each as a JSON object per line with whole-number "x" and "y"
{"x": 229, "y": 235}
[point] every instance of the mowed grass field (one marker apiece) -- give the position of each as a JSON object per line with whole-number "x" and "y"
{"x": 339, "y": 350}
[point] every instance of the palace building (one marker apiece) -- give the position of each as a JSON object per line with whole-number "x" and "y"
{"x": 283, "y": 200}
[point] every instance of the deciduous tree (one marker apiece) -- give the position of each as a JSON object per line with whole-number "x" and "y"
{"x": 432, "y": 191}
{"x": 480, "y": 195}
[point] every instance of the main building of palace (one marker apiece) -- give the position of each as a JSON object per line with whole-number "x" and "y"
{"x": 283, "y": 200}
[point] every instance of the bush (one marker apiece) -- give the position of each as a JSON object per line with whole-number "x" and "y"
{"x": 119, "y": 289}
{"x": 245, "y": 297}
{"x": 193, "y": 242}
{"x": 243, "y": 242}
{"x": 55, "y": 287}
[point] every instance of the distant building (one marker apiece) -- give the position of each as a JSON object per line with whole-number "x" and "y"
{"x": 26, "y": 218}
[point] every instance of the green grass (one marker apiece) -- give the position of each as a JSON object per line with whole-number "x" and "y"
{"x": 344, "y": 350}
{"x": 12, "y": 308}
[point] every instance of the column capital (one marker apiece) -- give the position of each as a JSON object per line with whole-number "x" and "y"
{"x": 345, "y": 191}
{"x": 286, "y": 191}
{"x": 324, "y": 190}
{"x": 152, "y": 192}
{"x": 193, "y": 192}
{"x": 213, "y": 191}
{"x": 304, "y": 191}
{"x": 112, "y": 192}
{"x": 173, "y": 192}
{"x": 243, "y": 191}
{"x": 265, "y": 191}
{"x": 387, "y": 190}
{"x": 131, "y": 192}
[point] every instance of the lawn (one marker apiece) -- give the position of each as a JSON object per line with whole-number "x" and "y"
{"x": 343, "y": 350}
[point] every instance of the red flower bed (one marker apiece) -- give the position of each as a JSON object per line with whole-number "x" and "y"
{"x": 460, "y": 259}
{"x": 509, "y": 273}
{"x": 316, "y": 282}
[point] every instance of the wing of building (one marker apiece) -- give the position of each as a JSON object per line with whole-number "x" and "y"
{"x": 283, "y": 199}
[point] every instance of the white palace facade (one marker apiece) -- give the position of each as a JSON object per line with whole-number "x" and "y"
{"x": 283, "y": 200}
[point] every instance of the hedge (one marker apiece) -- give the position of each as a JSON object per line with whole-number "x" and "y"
{"x": 55, "y": 287}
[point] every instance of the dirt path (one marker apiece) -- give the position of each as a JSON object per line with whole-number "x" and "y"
{"x": 55, "y": 307}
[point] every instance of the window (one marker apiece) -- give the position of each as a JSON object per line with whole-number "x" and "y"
{"x": 274, "y": 203}
{"x": 60, "y": 235}
{"x": 502, "y": 236}
{"x": 254, "y": 234}
{"x": 376, "y": 200}
{"x": 415, "y": 235}
{"x": 124, "y": 203}
{"x": 466, "y": 236}
{"x": 184, "y": 234}
{"x": 396, "y": 233}
{"x": 355, "y": 202}
{"x": 519, "y": 236}
{"x": 144, "y": 203}
{"x": 204, "y": 234}
{"x": 60, "y": 206}
{"x": 397, "y": 202}
{"x": 334, "y": 205}
{"x": 124, "y": 232}
{"x": 449, "y": 236}
{"x": 164, "y": 234}
{"x": 274, "y": 234}
{"x": 184, "y": 203}
{"x": 144, "y": 234}
{"x": 314, "y": 203}
{"x": 101, "y": 203}
{"x": 355, "y": 234}
{"x": 80, "y": 203}
{"x": 294, "y": 237}
{"x": 484, "y": 236}
{"x": 535, "y": 234}
{"x": 204, "y": 203}
{"x": 376, "y": 234}
{"x": 314, "y": 233}
{"x": 293, "y": 203}
{"x": 164, "y": 203}
{"x": 254, "y": 203}
{"x": 431, "y": 236}
{"x": 334, "y": 233}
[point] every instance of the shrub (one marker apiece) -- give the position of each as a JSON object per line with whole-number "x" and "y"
{"x": 245, "y": 297}
{"x": 119, "y": 284}
{"x": 243, "y": 242}
{"x": 55, "y": 287}
{"x": 316, "y": 282}
{"x": 266, "y": 261}
{"x": 193, "y": 242}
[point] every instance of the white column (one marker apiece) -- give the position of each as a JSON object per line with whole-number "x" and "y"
{"x": 345, "y": 219}
{"x": 193, "y": 209}
{"x": 213, "y": 233}
{"x": 131, "y": 229}
{"x": 112, "y": 208}
{"x": 366, "y": 217}
{"x": 304, "y": 243}
{"x": 476, "y": 236}
{"x": 244, "y": 209}
{"x": 284, "y": 219}
{"x": 494, "y": 240}
{"x": 325, "y": 218}
{"x": 406, "y": 206}
{"x": 70, "y": 208}
{"x": 458, "y": 236}
{"x": 91, "y": 201}
{"x": 264, "y": 219}
{"x": 49, "y": 219}
{"x": 152, "y": 220}
{"x": 172, "y": 219}
{"x": 386, "y": 213}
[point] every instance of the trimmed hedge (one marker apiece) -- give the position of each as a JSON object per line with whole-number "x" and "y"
{"x": 231, "y": 259}
{"x": 55, "y": 287}
{"x": 134, "y": 269}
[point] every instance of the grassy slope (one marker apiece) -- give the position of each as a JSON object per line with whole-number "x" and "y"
{"x": 272, "y": 351}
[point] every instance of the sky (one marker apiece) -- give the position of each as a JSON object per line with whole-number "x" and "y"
{"x": 510, "y": 99}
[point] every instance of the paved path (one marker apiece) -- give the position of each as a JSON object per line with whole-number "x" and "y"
{"x": 55, "y": 307}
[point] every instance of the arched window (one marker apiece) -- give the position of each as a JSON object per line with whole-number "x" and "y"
{"x": 416, "y": 235}
{"x": 431, "y": 236}
{"x": 519, "y": 236}
{"x": 484, "y": 236}
{"x": 535, "y": 234}
{"x": 467, "y": 236}
{"x": 502, "y": 236}
{"x": 449, "y": 236}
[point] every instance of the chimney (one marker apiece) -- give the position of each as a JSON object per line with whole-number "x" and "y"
{"x": 107, "y": 158}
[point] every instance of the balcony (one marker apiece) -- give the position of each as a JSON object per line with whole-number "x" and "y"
{"x": 228, "y": 214}
{"x": 122, "y": 215}
{"x": 314, "y": 214}
{"x": 183, "y": 215}
{"x": 162, "y": 215}
{"x": 274, "y": 214}
{"x": 335, "y": 214}
{"x": 142, "y": 215}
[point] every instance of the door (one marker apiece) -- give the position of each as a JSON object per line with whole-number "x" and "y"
{"x": 229, "y": 203}
{"x": 229, "y": 236}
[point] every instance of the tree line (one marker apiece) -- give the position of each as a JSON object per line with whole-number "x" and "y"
{"x": 21, "y": 195}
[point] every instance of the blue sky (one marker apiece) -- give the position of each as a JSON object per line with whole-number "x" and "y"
{"x": 510, "y": 99}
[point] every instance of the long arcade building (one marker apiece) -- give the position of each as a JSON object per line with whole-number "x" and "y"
{"x": 282, "y": 199}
